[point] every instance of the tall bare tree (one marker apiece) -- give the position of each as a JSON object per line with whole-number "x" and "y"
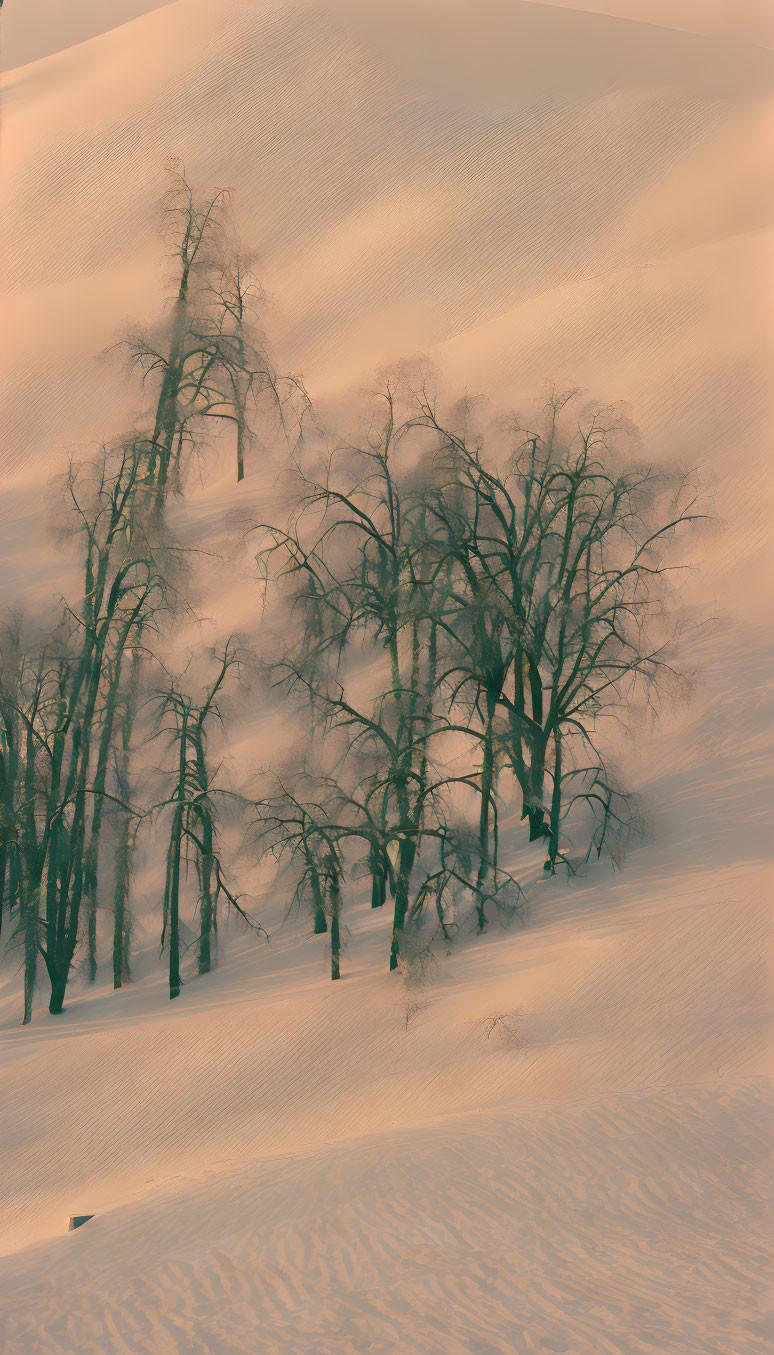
{"x": 561, "y": 558}
{"x": 209, "y": 362}
{"x": 194, "y": 820}
{"x": 364, "y": 572}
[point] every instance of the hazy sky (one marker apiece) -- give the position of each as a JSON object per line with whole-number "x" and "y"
{"x": 36, "y": 28}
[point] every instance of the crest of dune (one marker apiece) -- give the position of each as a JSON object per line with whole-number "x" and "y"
{"x": 522, "y": 192}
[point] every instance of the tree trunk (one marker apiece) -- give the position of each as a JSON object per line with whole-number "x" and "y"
{"x": 556, "y": 805}
{"x": 31, "y": 905}
{"x": 122, "y": 920}
{"x": 205, "y": 905}
{"x": 537, "y": 772}
{"x": 487, "y": 785}
{"x": 174, "y": 911}
{"x": 3, "y": 869}
{"x": 91, "y": 901}
{"x": 335, "y": 896}
{"x": 167, "y": 405}
{"x": 72, "y": 846}
{"x": 112, "y": 703}
{"x": 378, "y": 879}
{"x": 174, "y": 866}
{"x": 240, "y": 441}
{"x": 58, "y": 989}
{"x": 320, "y": 920}
{"x": 537, "y": 748}
{"x": 121, "y": 914}
{"x": 406, "y": 855}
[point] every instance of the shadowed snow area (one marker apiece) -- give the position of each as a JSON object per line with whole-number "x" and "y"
{"x": 276, "y": 1163}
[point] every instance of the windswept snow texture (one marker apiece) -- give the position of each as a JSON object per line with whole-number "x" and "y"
{"x": 280, "y": 1164}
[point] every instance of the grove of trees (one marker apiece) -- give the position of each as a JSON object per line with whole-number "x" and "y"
{"x": 464, "y": 607}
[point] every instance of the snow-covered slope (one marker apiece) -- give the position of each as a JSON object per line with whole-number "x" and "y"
{"x": 277, "y": 1163}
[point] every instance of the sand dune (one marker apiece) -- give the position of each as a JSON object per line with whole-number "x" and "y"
{"x": 32, "y": 29}
{"x": 748, "y": 21}
{"x": 591, "y": 1229}
{"x": 277, "y": 1163}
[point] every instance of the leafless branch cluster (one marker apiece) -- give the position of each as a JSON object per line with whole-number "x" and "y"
{"x": 69, "y": 704}
{"x": 467, "y": 607}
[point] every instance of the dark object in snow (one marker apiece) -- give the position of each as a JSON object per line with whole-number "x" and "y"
{"x": 76, "y": 1220}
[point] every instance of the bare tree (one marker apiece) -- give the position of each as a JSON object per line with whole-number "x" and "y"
{"x": 294, "y": 825}
{"x": 367, "y": 595}
{"x": 67, "y": 721}
{"x": 364, "y": 571}
{"x": 209, "y": 363}
{"x": 127, "y": 825}
{"x": 562, "y": 555}
{"x": 122, "y": 587}
{"x": 194, "y": 821}
{"x": 10, "y": 755}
